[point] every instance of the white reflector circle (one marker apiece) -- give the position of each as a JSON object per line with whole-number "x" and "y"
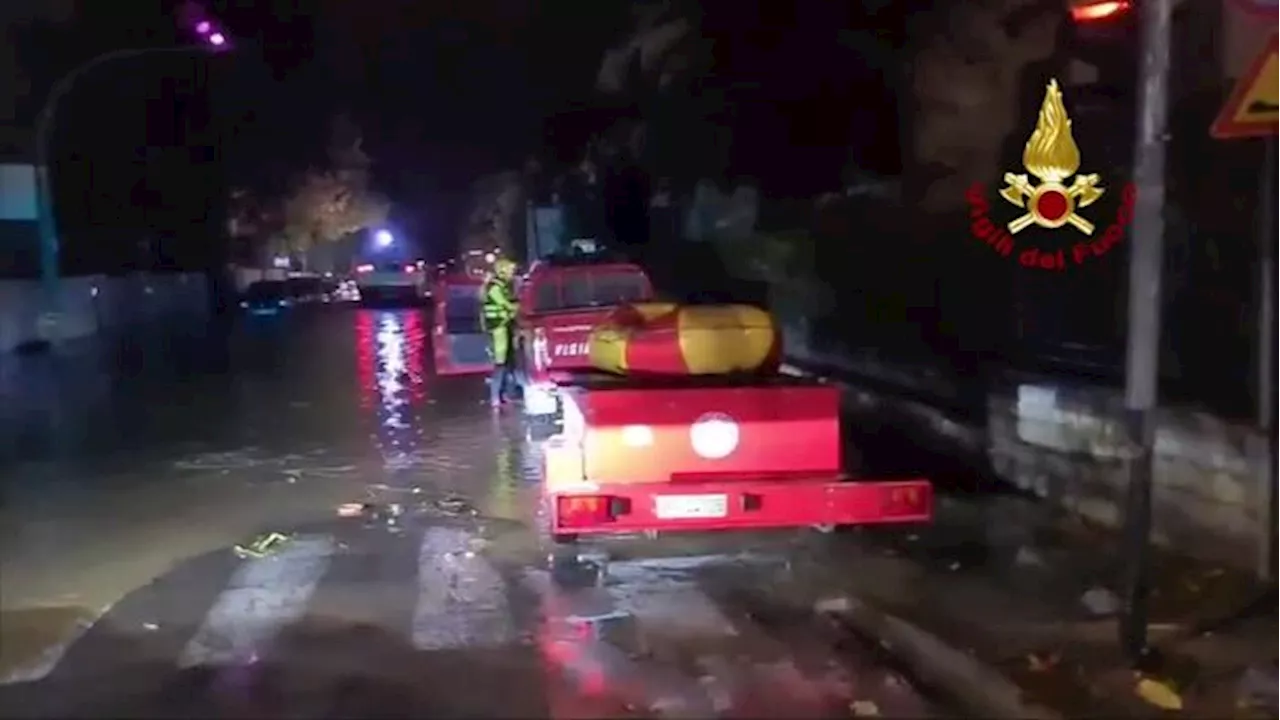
{"x": 714, "y": 436}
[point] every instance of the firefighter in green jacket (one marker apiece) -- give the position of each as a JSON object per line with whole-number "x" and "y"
{"x": 500, "y": 308}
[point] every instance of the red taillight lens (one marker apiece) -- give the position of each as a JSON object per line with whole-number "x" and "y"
{"x": 364, "y": 268}
{"x": 907, "y": 500}
{"x": 583, "y": 510}
{"x": 1100, "y": 10}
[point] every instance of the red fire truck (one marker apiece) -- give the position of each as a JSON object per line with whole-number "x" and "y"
{"x": 652, "y": 448}
{"x": 562, "y": 298}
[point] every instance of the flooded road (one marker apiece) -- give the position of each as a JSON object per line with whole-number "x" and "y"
{"x": 303, "y": 521}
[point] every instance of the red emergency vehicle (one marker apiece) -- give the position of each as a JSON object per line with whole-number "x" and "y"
{"x": 562, "y": 299}
{"x": 686, "y": 424}
{"x": 460, "y": 344}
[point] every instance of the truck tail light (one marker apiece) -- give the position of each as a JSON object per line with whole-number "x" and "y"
{"x": 411, "y": 268}
{"x": 907, "y": 500}
{"x": 1095, "y": 11}
{"x": 364, "y": 268}
{"x": 587, "y": 510}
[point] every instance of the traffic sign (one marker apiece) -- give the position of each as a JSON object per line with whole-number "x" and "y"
{"x": 1267, "y": 8}
{"x": 1253, "y": 108}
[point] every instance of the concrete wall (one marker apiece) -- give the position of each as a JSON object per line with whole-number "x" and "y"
{"x": 1066, "y": 443}
{"x": 97, "y": 303}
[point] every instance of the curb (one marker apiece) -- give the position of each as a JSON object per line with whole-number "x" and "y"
{"x": 968, "y": 438}
{"x": 977, "y": 688}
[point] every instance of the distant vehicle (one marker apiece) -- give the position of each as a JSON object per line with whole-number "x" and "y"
{"x": 346, "y": 291}
{"x": 307, "y": 289}
{"x": 266, "y": 297}
{"x": 392, "y": 281}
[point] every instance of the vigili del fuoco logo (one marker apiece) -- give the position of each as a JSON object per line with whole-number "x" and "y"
{"x": 1053, "y": 201}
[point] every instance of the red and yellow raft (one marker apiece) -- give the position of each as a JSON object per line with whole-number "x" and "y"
{"x": 671, "y": 339}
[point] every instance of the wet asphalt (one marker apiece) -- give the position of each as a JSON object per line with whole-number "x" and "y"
{"x": 300, "y": 519}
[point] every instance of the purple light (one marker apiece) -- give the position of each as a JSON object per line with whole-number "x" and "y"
{"x": 218, "y": 39}
{"x": 203, "y": 27}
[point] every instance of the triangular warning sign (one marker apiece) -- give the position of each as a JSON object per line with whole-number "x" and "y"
{"x": 1253, "y": 108}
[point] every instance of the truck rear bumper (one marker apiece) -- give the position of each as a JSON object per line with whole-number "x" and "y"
{"x": 738, "y": 505}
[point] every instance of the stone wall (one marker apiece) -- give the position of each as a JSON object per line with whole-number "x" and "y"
{"x": 98, "y": 303}
{"x": 1066, "y": 444}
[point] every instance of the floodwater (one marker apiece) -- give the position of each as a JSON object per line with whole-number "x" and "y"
{"x": 299, "y": 519}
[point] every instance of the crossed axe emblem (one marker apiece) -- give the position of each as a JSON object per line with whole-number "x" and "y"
{"x": 1020, "y": 192}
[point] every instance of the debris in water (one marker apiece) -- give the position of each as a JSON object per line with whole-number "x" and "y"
{"x": 1042, "y": 661}
{"x": 455, "y": 506}
{"x": 351, "y": 509}
{"x": 262, "y": 546}
{"x": 1028, "y": 557}
{"x": 1100, "y": 601}
{"x": 150, "y": 626}
{"x": 383, "y": 487}
{"x": 1159, "y": 694}
{"x": 864, "y": 708}
{"x": 833, "y": 606}
{"x": 1257, "y": 689}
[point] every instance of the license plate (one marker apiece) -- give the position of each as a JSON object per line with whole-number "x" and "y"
{"x": 670, "y": 507}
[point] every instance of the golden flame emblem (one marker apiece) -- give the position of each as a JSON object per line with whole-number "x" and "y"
{"x": 1051, "y": 156}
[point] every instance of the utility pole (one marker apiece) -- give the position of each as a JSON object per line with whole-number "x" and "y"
{"x": 1142, "y": 367}
{"x": 1266, "y": 365}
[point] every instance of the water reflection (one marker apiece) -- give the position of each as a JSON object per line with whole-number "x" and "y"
{"x": 391, "y": 374}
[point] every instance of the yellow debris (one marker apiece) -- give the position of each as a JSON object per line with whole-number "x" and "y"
{"x": 1159, "y": 694}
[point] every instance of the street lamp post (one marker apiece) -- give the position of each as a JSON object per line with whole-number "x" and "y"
{"x": 1142, "y": 367}
{"x": 45, "y": 123}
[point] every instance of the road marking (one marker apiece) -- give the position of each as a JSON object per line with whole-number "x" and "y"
{"x": 263, "y": 596}
{"x": 462, "y": 600}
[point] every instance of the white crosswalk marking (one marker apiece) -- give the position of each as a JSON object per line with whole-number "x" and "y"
{"x": 462, "y": 600}
{"x": 264, "y": 596}
{"x": 459, "y": 601}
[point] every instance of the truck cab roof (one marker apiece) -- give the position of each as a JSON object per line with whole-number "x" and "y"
{"x": 577, "y": 284}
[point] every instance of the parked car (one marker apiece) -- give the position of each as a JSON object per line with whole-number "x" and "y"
{"x": 346, "y": 291}
{"x": 307, "y": 289}
{"x": 392, "y": 281}
{"x": 266, "y": 297}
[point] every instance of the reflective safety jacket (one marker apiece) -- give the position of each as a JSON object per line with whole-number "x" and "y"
{"x": 499, "y": 304}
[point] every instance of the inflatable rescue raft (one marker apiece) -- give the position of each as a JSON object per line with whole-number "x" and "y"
{"x": 671, "y": 339}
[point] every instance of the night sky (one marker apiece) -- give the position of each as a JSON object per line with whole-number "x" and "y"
{"x": 445, "y": 92}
